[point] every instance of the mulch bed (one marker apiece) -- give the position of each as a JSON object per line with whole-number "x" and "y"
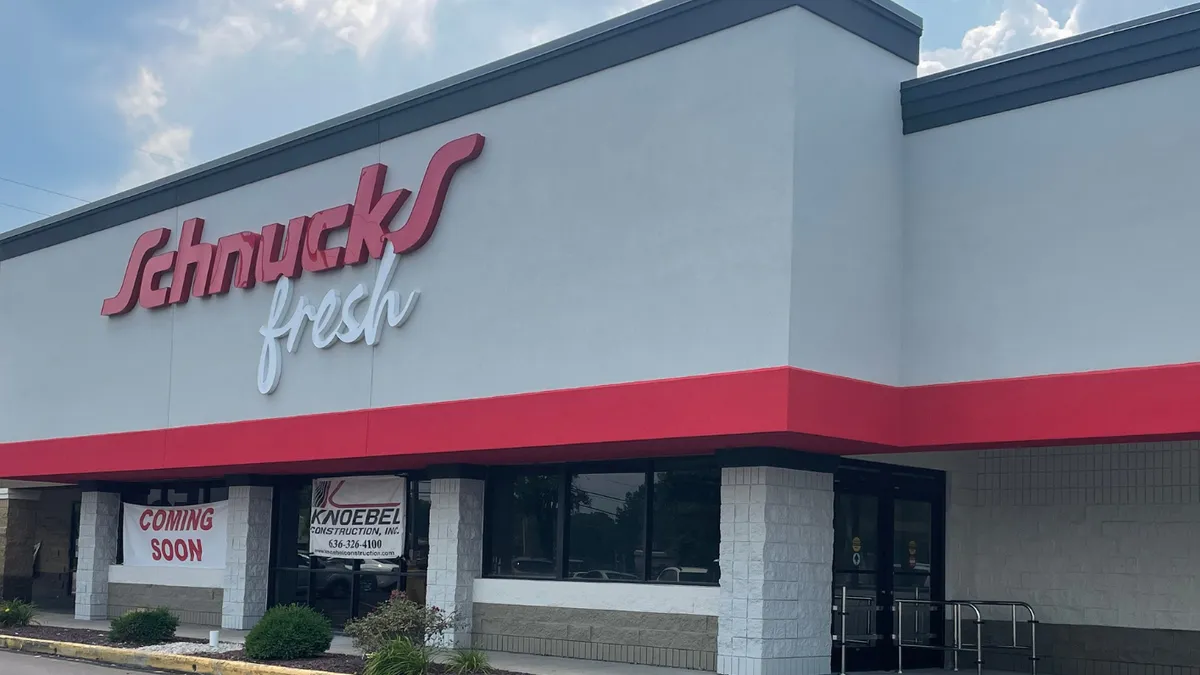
{"x": 332, "y": 663}
{"x": 347, "y": 664}
{"x": 83, "y": 636}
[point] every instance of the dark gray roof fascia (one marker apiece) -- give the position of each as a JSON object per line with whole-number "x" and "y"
{"x": 1155, "y": 45}
{"x": 656, "y": 27}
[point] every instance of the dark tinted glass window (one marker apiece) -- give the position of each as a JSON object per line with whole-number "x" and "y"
{"x": 604, "y": 528}
{"x": 686, "y": 530}
{"x": 523, "y": 524}
{"x": 607, "y": 526}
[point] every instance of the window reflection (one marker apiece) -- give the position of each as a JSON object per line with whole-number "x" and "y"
{"x": 607, "y": 525}
{"x": 686, "y": 526}
{"x": 524, "y": 524}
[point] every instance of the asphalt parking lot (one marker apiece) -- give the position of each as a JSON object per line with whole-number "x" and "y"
{"x": 13, "y": 663}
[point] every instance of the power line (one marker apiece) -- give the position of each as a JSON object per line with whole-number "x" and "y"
{"x": 42, "y": 189}
{"x": 22, "y": 208}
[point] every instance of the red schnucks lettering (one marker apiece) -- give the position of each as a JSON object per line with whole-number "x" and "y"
{"x": 143, "y": 248}
{"x": 317, "y": 258}
{"x": 432, "y": 196}
{"x": 277, "y": 258}
{"x": 242, "y": 259}
{"x": 193, "y": 264}
{"x": 372, "y": 216}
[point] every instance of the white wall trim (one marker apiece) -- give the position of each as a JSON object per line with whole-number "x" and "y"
{"x": 188, "y": 577}
{"x": 15, "y": 493}
{"x": 656, "y": 598}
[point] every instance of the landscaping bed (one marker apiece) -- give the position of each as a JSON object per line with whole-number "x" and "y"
{"x": 397, "y": 634}
{"x": 81, "y": 636}
{"x": 347, "y": 664}
{"x": 332, "y": 663}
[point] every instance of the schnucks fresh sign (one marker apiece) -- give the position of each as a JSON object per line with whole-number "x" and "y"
{"x": 361, "y": 517}
{"x": 278, "y": 254}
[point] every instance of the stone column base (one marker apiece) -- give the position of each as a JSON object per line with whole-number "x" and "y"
{"x": 455, "y": 551}
{"x": 776, "y": 572}
{"x": 99, "y": 514}
{"x": 247, "y": 557}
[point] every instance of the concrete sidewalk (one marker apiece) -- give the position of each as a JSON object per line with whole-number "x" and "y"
{"x": 520, "y": 663}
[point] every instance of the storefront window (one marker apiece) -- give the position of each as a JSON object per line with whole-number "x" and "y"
{"x": 687, "y": 526}
{"x": 524, "y": 529}
{"x": 612, "y": 519}
{"x": 340, "y": 588}
{"x": 607, "y": 526}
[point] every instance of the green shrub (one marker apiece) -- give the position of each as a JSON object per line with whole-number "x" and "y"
{"x": 400, "y": 657}
{"x": 398, "y": 617}
{"x": 289, "y": 632}
{"x": 144, "y": 627}
{"x": 16, "y": 613}
{"x": 468, "y": 662}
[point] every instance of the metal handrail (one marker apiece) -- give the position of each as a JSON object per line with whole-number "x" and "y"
{"x": 959, "y": 643}
{"x": 845, "y": 602}
{"x": 842, "y": 610}
{"x": 1032, "y": 621}
{"x": 956, "y": 606}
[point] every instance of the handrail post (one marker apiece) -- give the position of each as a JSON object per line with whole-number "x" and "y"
{"x": 1033, "y": 657}
{"x": 1014, "y": 626}
{"x": 957, "y": 633}
{"x": 978, "y": 642}
{"x": 843, "y": 631}
{"x": 898, "y": 606}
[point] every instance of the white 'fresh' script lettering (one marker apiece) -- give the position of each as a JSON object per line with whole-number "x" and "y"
{"x": 332, "y": 320}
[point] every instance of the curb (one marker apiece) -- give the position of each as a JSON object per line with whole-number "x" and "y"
{"x": 115, "y": 656}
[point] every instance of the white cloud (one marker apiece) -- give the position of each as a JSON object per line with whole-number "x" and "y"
{"x": 1022, "y": 24}
{"x": 520, "y": 40}
{"x": 627, "y": 6}
{"x": 164, "y": 147}
{"x": 143, "y": 98}
{"x": 218, "y": 35}
{"x": 362, "y": 23}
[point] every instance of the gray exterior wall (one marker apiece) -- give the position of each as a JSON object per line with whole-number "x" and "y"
{"x": 192, "y": 605}
{"x": 1102, "y": 540}
{"x": 675, "y": 640}
{"x": 702, "y": 145}
{"x": 1094, "y": 650}
{"x": 1059, "y": 241}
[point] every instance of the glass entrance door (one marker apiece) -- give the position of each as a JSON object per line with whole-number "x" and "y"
{"x": 889, "y": 525}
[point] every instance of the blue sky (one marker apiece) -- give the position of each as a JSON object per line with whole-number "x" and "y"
{"x": 99, "y": 97}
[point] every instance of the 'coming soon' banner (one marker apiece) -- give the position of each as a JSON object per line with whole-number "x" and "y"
{"x": 175, "y": 536}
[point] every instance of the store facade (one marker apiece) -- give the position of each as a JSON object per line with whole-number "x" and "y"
{"x": 645, "y": 346}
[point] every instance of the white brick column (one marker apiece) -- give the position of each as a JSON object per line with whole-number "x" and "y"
{"x": 776, "y": 572}
{"x": 247, "y": 557}
{"x": 455, "y": 551}
{"x": 99, "y": 514}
